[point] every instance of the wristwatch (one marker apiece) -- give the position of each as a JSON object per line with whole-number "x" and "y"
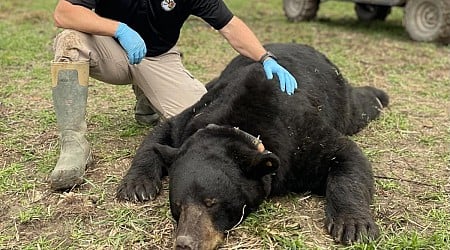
{"x": 267, "y": 55}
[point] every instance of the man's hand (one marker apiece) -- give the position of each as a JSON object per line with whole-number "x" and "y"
{"x": 287, "y": 81}
{"x": 131, "y": 42}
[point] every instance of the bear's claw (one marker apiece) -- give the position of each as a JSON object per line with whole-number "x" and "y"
{"x": 351, "y": 230}
{"x": 138, "y": 189}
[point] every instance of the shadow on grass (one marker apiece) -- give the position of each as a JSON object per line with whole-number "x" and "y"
{"x": 390, "y": 28}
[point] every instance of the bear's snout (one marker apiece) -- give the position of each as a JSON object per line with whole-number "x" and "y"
{"x": 184, "y": 243}
{"x": 196, "y": 230}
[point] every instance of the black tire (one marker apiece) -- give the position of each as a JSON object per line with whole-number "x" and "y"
{"x": 371, "y": 12}
{"x": 300, "y": 10}
{"x": 428, "y": 20}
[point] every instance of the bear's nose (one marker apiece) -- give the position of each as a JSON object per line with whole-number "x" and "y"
{"x": 184, "y": 243}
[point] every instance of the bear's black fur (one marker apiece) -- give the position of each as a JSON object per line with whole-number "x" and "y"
{"x": 219, "y": 174}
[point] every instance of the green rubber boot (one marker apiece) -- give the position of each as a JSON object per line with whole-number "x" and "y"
{"x": 70, "y": 90}
{"x": 143, "y": 111}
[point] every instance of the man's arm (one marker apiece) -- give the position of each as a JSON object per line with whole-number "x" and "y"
{"x": 71, "y": 16}
{"x": 242, "y": 39}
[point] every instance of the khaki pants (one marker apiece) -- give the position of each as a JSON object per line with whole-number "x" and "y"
{"x": 169, "y": 87}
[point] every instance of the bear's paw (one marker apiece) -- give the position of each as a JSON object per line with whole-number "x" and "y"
{"x": 138, "y": 188}
{"x": 348, "y": 229}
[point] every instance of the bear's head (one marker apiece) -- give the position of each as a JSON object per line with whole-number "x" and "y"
{"x": 217, "y": 177}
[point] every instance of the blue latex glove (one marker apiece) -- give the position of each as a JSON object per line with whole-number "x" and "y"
{"x": 287, "y": 81}
{"x": 131, "y": 42}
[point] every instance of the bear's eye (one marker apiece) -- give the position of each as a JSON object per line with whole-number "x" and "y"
{"x": 209, "y": 202}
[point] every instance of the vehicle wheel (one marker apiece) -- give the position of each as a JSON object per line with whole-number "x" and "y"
{"x": 428, "y": 20}
{"x": 371, "y": 12}
{"x": 300, "y": 10}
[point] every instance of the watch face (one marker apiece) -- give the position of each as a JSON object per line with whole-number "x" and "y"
{"x": 271, "y": 55}
{"x": 168, "y": 5}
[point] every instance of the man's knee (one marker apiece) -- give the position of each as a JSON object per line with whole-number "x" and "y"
{"x": 69, "y": 46}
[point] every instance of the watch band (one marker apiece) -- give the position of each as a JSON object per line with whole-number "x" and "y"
{"x": 267, "y": 55}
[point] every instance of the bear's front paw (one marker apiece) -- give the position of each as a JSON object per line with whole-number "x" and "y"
{"x": 138, "y": 188}
{"x": 349, "y": 229}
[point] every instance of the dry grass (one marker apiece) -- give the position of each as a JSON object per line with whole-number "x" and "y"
{"x": 408, "y": 146}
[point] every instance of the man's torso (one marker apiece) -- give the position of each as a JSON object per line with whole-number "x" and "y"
{"x": 159, "y": 21}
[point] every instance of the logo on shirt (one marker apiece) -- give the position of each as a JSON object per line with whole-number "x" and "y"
{"x": 168, "y": 5}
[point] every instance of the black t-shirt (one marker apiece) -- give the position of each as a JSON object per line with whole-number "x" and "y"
{"x": 159, "y": 21}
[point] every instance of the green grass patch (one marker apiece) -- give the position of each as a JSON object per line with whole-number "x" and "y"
{"x": 408, "y": 144}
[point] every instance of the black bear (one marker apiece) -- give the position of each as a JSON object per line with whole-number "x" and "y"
{"x": 245, "y": 140}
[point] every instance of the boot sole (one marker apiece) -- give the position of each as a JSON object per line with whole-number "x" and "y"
{"x": 73, "y": 182}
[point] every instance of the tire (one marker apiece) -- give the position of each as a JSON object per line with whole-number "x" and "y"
{"x": 371, "y": 12}
{"x": 428, "y": 20}
{"x": 300, "y": 10}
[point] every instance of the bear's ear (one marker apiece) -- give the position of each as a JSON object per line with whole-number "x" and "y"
{"x": 166, "y": 153}
{"x": 263, "y": 163}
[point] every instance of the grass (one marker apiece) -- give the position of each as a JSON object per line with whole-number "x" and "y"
{"x": 408, "y": 145}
